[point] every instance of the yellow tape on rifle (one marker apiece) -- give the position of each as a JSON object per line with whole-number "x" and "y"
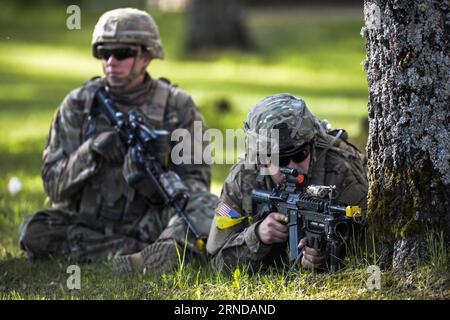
{"x": 353, "y": 211}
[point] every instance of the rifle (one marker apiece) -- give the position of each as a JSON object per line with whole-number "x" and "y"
{"x": 134, "y": 133}
{"x": 313, "y": 213}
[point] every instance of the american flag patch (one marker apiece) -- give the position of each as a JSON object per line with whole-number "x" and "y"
{"x": 224, "y": 210}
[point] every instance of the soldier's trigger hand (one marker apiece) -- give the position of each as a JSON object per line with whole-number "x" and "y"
{"x": 109, "y": 146}
{"x": 273, "y": 229}
{"x": 135, "y": 175}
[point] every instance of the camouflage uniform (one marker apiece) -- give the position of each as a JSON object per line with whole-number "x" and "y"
{"x": 333, "y": 162}
{"x": 94, "y": 212}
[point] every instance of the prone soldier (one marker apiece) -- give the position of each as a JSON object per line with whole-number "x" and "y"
{"x": 242, "y": 236}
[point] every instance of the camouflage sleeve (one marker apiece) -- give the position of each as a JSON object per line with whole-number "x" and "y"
{"x": 232, "y": 240}
{"x": 194, "y": 171}
{"x": 354, "y": 188}
{"x": 67, "y": 161}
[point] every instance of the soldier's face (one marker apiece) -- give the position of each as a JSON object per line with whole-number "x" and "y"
{"x": 302, "y": 168}
{"x": 119, "y": 63}
{"x": 116, "y": 69}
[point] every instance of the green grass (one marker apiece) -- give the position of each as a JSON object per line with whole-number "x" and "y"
{"x": 312, "y": 55}
{"x": 48, "y": 280}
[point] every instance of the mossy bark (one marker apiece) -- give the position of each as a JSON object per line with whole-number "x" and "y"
{"x": 408, "y": 69}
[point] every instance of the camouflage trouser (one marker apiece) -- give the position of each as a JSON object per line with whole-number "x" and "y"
{"x": 56, "y": 232}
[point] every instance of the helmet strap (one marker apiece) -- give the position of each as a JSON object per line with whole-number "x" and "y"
{"x": 313, "y": 159}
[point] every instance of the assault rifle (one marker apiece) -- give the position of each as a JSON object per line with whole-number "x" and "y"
{"x": 136, "y": 134}
{"x": 313, "y": 213}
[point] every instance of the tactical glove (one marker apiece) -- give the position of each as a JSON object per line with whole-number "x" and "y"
{"x": 135, "y": 176}
{"x": 109, "y": 146}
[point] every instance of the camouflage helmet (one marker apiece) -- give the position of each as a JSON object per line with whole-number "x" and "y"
{"x": 128, "y": 26}
{"x": 295, "y": 123}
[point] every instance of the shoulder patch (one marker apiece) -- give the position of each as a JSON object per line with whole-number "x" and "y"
{"x": 225, "y": 210}
{"x": 226, "y": 217}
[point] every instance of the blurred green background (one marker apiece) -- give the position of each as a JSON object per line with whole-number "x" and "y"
{"x": 312, "y": 52}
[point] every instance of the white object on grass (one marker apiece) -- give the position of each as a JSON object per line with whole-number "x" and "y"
{"x": 14, "y": 185}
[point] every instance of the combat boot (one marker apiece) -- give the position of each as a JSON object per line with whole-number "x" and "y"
{"x": 158, "y": 257}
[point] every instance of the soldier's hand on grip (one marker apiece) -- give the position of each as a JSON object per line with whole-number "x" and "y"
{"x": 273, "y": 228}
{"x": 312, "y": 258}
{"x": 109, "y": 146}
{"x": 135, "y": 175}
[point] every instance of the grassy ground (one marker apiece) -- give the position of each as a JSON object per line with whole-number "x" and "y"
{"x": 21, "y": 279}
{"x": 312, "y": 55}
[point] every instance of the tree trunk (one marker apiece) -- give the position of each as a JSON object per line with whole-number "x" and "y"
{"x": 408, "y": 70}
{"x": 216, "y": 24}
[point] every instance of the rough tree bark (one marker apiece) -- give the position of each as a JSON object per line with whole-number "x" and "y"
{"x": 216, "y": 24}
{"x": 408, "y": 69}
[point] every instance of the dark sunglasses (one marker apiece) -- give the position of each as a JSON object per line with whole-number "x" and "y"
{"x": 119, "y": 53}
{"x": 298, "y": 156}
